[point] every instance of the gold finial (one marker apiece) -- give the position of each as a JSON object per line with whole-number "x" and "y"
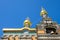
{"x": 27, "y": 22}
{"x": 43, "y": 11}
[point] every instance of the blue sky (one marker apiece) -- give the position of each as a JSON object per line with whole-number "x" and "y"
{"x": 14, "y": 12}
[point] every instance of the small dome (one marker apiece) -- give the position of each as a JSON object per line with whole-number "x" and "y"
{"x": 43, "y": 11}
{"x": 27, "y": 22}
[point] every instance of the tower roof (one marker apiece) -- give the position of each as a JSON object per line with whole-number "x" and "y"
{"x": 43, "y": 11}
{"x": 27, "y": 21}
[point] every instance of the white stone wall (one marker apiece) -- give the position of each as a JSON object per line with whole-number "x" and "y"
{"x": 20, "y": 35}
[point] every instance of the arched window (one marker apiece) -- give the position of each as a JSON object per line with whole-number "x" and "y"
{"x": 16, "y": 37}
{"x": 10, "y": 37}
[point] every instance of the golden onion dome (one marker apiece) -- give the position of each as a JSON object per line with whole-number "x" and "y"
{"x": 27, "y": 21}
{"x": 43, "y": 12}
